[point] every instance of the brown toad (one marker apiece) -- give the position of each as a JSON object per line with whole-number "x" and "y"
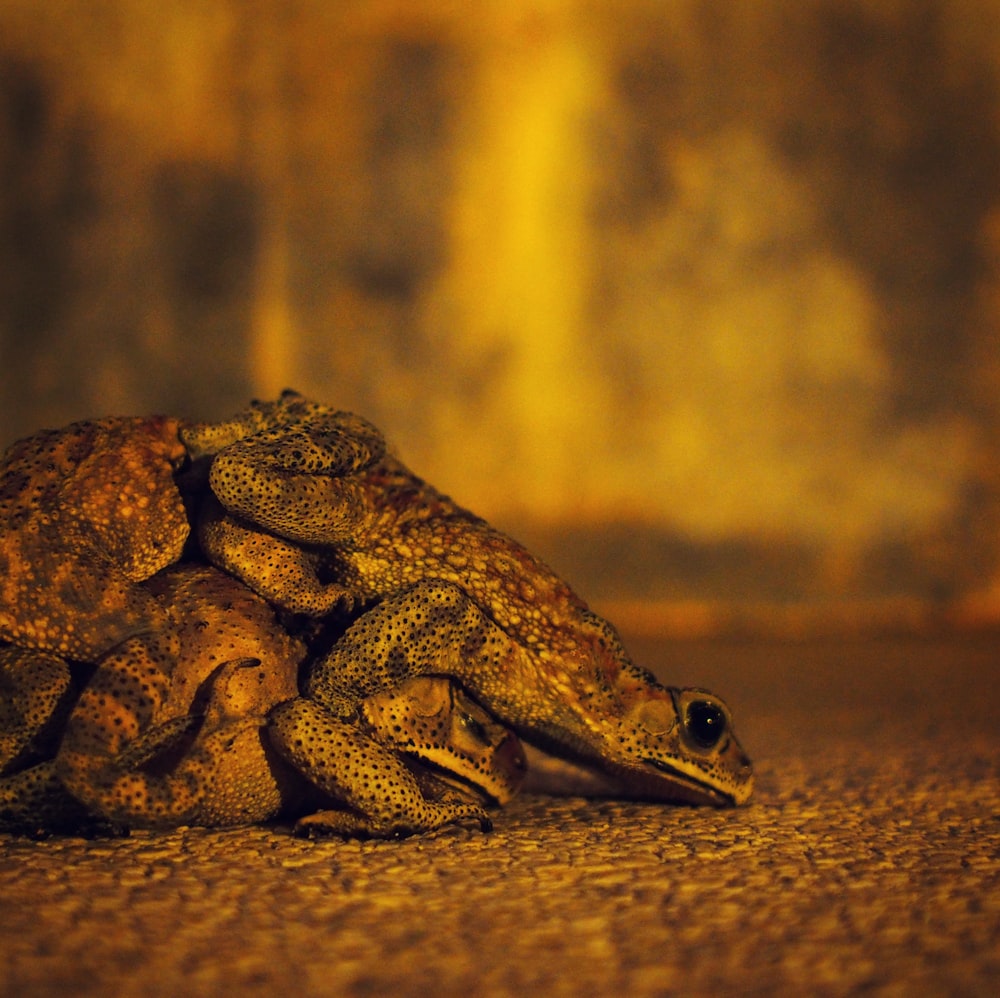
{"x": 311, "y": 512}
{"x": 86, "y": 513}
{"x": 455, "y": 758}
{"x": 37, "y": 692}
{"x": 156, "y": 744}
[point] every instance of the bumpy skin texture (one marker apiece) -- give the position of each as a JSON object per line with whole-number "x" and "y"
{"x": 86, "y": 513}
{"x": 37, "y": 693}
{"x": 35, "y": 697}
{"x": 312, "y": 513}
{"x": 154, "y": 743}
{"x": 292, "y": 467}
{"x": 433, "y": 720}
{"x": 658, "y": 742}
{"x": 362, "y": 764}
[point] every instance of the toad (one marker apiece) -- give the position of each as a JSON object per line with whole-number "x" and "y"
{"x": 88, "y": 512}
{"x": 37, "y": 693}
{"x": 150, "y": 744}
{"x": 309, "y": 509}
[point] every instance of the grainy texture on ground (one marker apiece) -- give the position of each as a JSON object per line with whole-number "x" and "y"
{"x": 868, "y": 860}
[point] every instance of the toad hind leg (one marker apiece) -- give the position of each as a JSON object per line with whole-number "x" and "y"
{"x": 284, "y": 573}
{"x": 384, "y": 796}
{"x": 115, "y": 709}
{"x": 35, "y": 697}
{"x": 34, "y": 802}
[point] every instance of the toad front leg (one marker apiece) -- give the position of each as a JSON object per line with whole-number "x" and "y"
{"x": 431, "y": 629}
{"x": 410, "y": 760}
{"x": 283, "y": 482}
{"x": 657, "y": 742}
{"x": 287, "y": 574}
{"x": 384, "y": 796}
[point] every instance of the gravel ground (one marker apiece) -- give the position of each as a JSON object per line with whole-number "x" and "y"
{"x": 867, "y": 861}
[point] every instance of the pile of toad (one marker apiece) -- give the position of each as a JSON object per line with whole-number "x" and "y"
{"x": 272, "y": 618}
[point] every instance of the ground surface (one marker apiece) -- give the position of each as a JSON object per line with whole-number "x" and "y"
{"x": 868, "y": 860}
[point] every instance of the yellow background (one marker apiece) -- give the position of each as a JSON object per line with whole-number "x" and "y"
{"x": 698, "y": 298}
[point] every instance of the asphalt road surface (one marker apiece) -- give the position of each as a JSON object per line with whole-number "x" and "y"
{"x": 869, "y": 860}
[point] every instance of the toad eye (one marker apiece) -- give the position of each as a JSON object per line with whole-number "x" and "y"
{"x": 705, "y": 723}
{"x": 475, "y": 728}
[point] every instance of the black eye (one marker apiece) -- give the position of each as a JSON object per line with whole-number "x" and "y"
{"x": 474, "y": 727}
{"x": 706, "y": 723}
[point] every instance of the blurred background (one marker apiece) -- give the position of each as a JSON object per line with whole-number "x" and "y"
{"x": 698, "y": 299}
